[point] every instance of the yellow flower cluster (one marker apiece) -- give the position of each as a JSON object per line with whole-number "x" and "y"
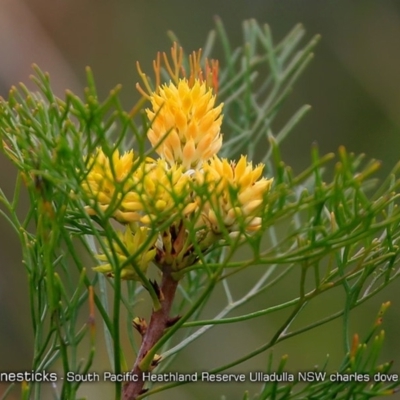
{"x": 189, "y": 182}
{"x": 236, "y": 193}
{"x": 159, "y": 192}
{"x": 185, "y": 124}
{"x": 137, "y": 250}
{"x": 107, "y": 183}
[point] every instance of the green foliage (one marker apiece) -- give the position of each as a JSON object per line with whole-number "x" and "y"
{"x": 342, "y": 231}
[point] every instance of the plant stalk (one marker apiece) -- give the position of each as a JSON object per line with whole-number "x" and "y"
{"x": 159, "y": 321}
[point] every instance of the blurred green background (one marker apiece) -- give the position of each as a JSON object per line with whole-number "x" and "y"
{"x": 353, "y": 85}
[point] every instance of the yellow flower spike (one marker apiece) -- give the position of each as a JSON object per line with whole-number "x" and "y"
{"x": 235, "y": 194}
{"x": 161, "y": 192}
{"x": 185, "y": 123}
{"x": 107, "y": 183}
{"x": 133, "y": 244}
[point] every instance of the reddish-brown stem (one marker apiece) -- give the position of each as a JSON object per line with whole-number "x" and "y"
{"x": 158, "y": 322}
